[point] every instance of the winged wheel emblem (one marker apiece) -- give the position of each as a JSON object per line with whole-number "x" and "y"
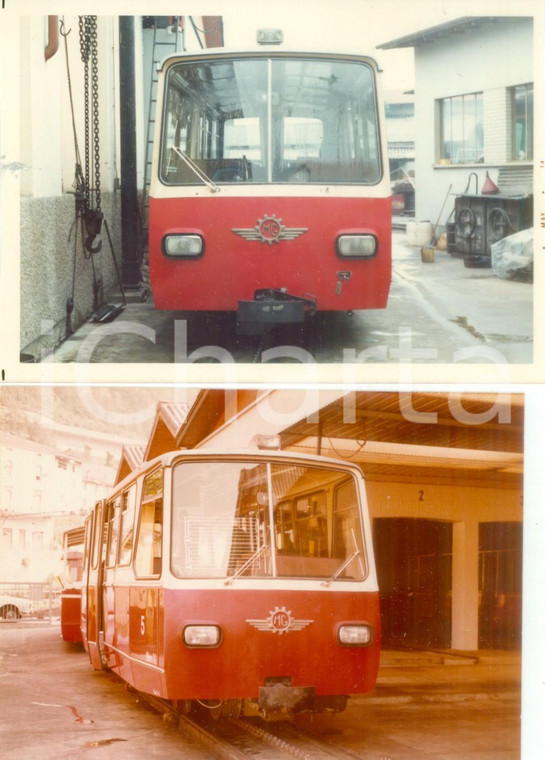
{"x": 280, "y": 621}
{"x": 269, "y": 229}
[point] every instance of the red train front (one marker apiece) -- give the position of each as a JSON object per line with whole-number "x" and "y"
{"x": 243, "y": 583}
{"x": 270, "y": 187}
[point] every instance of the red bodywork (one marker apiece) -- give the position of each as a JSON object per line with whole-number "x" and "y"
{"x": 233, "y": 268}
{"x": 160, "y": 663}
{"x": 71, "y": 615}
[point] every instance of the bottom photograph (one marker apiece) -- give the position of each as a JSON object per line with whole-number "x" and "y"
{"x": 260, "y": 573}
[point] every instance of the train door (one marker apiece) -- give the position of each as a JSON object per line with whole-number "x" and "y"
{"x": 414, "y": 567}
{"x": 112, "y": 515}
{"x": 124, "y": 572}
{"x": 95, "y": 617}
{"x": 146, "y": 598}
{"x": 88, "y": 532}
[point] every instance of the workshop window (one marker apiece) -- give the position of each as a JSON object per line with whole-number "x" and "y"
{"x": 461, "y": 129}
{"x": 522, "y": 125}
{"x": 7, "y": 535}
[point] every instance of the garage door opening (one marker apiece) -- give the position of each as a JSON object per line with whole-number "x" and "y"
{"x": 414, "y": 566}
{"x": 500, "y": 585}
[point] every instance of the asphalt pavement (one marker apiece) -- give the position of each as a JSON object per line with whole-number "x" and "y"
{"x": 54, "y": 705}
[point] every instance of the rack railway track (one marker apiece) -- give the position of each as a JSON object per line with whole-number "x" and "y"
{"x": 241, "y": 738}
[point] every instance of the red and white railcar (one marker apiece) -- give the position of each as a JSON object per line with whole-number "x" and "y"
{"x": 73, "y": 543}
{"x": 270, "y": 192}
{"x": 243, "y": 582}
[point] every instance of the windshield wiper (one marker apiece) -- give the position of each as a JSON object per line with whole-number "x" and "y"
{"x": 196, "y": 169}
{"x": 249, "y": 562}
{"x": 339, "y": 570}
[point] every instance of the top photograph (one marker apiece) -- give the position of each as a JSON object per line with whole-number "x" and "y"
{"x": 341, "y": 186}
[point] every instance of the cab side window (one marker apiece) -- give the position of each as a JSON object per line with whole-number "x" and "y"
{"x": 148, "y": 560}
{"x": 126, "y": 532}
{"x": 113, "y": 531}
{"x": 97, "y": 535}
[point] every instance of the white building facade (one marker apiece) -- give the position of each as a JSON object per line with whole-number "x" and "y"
{"x": 474, "y": 108}
{"x": 46, "y": 489}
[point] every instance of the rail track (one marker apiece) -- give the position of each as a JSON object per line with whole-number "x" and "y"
{"x": 242, "y": 738}
{"x": 235, "y": 739}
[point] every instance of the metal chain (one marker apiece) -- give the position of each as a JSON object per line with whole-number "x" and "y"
{"x": 94, "y": 87}
{"x": 84, "y": 49}
{"x": 92, "y": 212}
{"x": 89, "y": 56}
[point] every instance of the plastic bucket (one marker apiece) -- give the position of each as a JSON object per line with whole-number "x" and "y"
{"x": 423, "y": 233}
{"x": 428, "y": 254}
{"x": 411, "y": 233}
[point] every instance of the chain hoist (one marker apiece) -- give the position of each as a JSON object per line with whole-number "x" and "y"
{"x": 89, "y": 214}
{"x": 91, "y": 201}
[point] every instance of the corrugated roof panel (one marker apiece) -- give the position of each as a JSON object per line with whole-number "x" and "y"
{"x": 173, "y": 414}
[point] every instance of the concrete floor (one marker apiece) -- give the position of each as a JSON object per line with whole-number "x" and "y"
{"x": 53, "y": 705}
{"x": 440, "y": 312}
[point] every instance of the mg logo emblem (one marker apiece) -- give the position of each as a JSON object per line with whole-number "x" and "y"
{"x": 269, "y": 229}
{"x": 280, "y": 621}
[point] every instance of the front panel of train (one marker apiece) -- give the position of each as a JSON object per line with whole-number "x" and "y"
{"x": 272, "y": 599}
{"x": 270, "y": 184}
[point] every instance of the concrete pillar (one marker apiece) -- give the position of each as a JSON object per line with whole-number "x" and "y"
{"x": 465, "y": 585}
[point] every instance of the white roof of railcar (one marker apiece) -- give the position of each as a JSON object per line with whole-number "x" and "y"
{"x": 267, "y": 51}
{"x": 167, "y": 459}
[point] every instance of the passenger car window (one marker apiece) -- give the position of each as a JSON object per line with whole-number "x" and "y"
{"x": 148, "y": 560}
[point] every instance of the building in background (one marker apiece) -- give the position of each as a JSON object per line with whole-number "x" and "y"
{"x": 474, "y": 109}
{"x": 401, "y": 152}
{"x": 45, "y": 490}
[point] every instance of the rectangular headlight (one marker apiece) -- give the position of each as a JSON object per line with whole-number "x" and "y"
{"x": 183, "y": 246}
{"x": 355, "y": 635}
{"x": 201, "y": 636}
{"x": 357, "y": 246}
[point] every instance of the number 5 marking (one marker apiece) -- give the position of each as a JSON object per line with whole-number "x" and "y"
{"x": 142, "y": 625}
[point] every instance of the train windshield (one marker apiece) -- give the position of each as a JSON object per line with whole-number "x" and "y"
{"x": 263, "y": 120}
{"x": 265, "y": 519}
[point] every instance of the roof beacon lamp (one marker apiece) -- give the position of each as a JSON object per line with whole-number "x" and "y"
{"x": 270, "y": 442}
{"x": 270, "y": 36}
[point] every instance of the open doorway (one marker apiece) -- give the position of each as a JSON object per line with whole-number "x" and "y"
{"x": 414, "y": 566}
{"x": 500, "y": 585}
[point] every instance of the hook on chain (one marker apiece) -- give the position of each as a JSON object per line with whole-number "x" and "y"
{"x": 61, "y": 28}
{"x": 93, "y": 225}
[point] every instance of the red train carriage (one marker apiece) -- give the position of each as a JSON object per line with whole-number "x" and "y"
{"x": 71, "y": 615}
{"x": 245, "y": 582}
{"x": 73, "y": 544}
{"x": 270, "y": 192}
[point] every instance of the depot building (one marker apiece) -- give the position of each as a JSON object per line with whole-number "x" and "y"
{"x": 444, "y": 487}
